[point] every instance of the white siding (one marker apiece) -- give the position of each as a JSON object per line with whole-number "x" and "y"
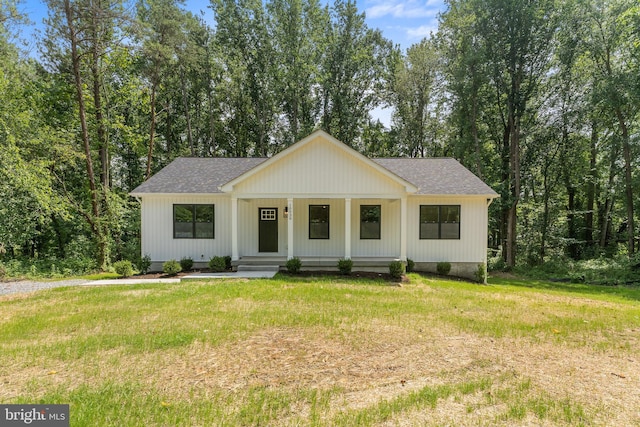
{"x": 319, "y": 169}
{"x": 157, "y": 229}
{"x": 389, "y": 243}
{"x": 248, "y": 226}
{"x": 305, "y": 247}
{"x": 472, "y": 245}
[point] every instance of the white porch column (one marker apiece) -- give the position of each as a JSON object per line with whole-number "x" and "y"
{"x": 347, "y": 228}
{"x": 403, "y": 229}
{"x": 234, "y": 229}
{"x": 290, "y": 229}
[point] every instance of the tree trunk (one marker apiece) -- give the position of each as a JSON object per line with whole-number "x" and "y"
{"x": 187, "y": 114}
{"x": 591, "y": 186}
{"x": 628, "y": 183}
{"x": 152, "y": 129}
{"x": 93, "y": 220}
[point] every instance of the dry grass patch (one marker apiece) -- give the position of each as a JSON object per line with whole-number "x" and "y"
{"x": 283, "y": 353}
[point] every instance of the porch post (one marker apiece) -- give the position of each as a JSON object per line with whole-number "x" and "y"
{"x": 290, "y": 229}
{"x": 403, "y": 229}
{"x": 347, "y": 228}
{"x": 234, "y": 229}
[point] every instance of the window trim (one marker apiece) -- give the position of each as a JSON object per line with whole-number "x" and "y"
{"x": 439, "y": 222}
{"x": 379, "y": 222}
{"x": 192, "y": 207}
{"x": 328, "y": 207}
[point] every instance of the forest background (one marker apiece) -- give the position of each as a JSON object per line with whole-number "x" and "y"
{"x": 540, "y": 99}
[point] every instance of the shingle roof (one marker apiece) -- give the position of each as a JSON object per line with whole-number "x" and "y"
{"x": 439, "y": 176}
{"x": 197, "y": 175}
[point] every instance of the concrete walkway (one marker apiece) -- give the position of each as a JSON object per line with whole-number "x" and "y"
{"x": 25, "y": 286}
{"x": 195, "y": 276}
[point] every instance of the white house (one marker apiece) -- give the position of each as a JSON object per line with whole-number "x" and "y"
{"x": 318, "y": 200}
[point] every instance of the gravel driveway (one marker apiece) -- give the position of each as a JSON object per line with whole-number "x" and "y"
{"x": 22, "y": 286}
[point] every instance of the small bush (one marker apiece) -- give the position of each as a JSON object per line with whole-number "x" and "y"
{"x": 411, "y": 265}
{"x": 227, "y": 262}
{"x": 145, "y": 263}
{"x": 294, "y": 265}
{"x": 396, "y": 269}
{"x": 481, "y": 273}
{"x": 3, "y": 271}
{"x": 124, "y": 268}
{"x": 217, "y": 263}
{"x": 186, "y": 263}
{"x": 345, "y": 266}
{"x": 171, "y": 267}
{"x": 443, "y": 268}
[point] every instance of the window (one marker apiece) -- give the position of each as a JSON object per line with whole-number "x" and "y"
{"x": 318, "y": 221}
{"x": 439, "y": 222}
{"x": 193, "y": 221}
{"x": 370, "y": 222}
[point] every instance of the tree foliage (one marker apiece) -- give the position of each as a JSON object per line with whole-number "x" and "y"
{"x": 538, "y": 98}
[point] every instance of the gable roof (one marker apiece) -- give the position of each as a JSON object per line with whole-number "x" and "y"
{"x": 427, "y": 176}
{"x": 345, "y": 149}
{"x": 438, "y": 176}
{"x": 190, "y": 175}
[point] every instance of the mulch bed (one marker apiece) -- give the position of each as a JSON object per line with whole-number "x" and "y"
{"x": 356, "y": 274}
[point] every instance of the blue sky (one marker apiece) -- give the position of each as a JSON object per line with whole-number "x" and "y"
{"x": 405, "y": 22}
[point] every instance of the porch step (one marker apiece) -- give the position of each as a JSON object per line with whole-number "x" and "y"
{"x": 253, "y": 267}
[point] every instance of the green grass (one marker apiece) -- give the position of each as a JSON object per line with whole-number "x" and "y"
{"x": 314, "y": 351}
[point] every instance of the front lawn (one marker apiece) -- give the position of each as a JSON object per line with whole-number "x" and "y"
{"x": 326, "y": 351}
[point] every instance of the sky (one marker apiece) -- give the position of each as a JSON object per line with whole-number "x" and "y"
{"x": 405, "y": 22}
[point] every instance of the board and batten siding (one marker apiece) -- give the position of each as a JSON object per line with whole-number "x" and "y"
{"x": 472, "y": 245}
{"x": 157, "y": 229}
{"x": 317, "y": 170}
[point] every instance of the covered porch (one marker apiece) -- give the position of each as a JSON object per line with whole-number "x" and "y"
{"x": 255, "y": 263}
{"x": 293, "y": 231}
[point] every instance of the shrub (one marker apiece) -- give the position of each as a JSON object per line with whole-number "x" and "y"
{"x": 481, "y": 273}
{"x": 171, "y": 267}
{"x": 186, "y": 263}
{"x": 217, "y": 263}
{"x": 294, "y": 265}
{"x": 443, "y": 268}
{"x": 227, "y": 262}
{"x": 345, "y": 266}
{"x": 411, "y": 265}
{"x": 3, "y": 271}
{"x": 124, "y": 268}
{"x": 396, "y": 269}
{"x": 145, "y": 263}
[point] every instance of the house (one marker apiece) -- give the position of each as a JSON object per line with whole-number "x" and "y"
{"x": 318, "y": 200}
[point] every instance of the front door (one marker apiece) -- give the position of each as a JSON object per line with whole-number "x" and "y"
{"x": 268, "y": 229}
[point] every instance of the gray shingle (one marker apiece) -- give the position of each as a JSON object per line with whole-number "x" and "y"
{"x": 439, "y": 176}
{"x": 196, "y": 175}
{"x": 436, "y": 175}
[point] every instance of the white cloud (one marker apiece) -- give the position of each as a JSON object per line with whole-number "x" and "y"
{"x": 404, "y": 9}
{"x": 422, "y": 31}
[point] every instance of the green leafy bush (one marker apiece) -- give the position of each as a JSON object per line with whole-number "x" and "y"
{"x": 217, "y": 263}
{"x": 443, "y": 268}
{"x": 171, "y": 267}
{"x": 481, "y": 273}
{"x": 227, "y": 262}
{"x": 145, "y": 264}
{"x": 124, "y": 268}
{"x": 345, "y": 266}
{"x": 294, "y": 265}
{"x": 396, "y": 269}
{"x": 411, "y": 265}
{"x": 186, "y": 263}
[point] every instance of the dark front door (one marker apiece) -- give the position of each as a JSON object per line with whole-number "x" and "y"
{"x": 268, "y": 229}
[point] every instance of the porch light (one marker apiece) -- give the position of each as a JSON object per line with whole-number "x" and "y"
{"x": 286, "y": 211}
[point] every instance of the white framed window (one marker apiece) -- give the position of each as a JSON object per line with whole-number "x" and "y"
{"x": 268, "y": 214}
